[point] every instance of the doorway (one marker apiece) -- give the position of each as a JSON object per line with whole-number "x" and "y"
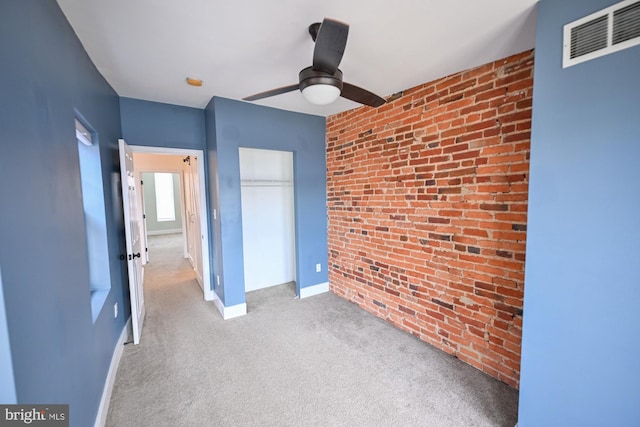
{"x": 268, "y": 224}
{"x": 171, "y": 189}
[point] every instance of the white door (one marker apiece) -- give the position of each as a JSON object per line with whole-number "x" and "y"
{"x": 192, "y": 217}
{"x": 188, "y": 214}
{"x": 132, "y": 237}
{"x": 143, "y": 220}
{"x": 195, "y": 219}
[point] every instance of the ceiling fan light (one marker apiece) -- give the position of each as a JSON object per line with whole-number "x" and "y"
{"x": 321, "y": 94}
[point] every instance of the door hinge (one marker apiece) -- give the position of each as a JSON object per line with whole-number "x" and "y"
{"x": 133, "y": 256}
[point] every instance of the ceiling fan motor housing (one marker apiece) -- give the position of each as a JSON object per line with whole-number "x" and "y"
{"x": 310, "y": 77}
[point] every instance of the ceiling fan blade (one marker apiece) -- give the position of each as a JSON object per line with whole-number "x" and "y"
{"x": 272, "y": 92}
{"x": 360, "y": 95}
{"x": 330, "y": 43}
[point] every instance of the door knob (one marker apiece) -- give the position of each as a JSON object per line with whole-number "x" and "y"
{"x": 136, "y": 255}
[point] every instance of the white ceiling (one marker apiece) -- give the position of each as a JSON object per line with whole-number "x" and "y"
{"x": 146, "y": 48}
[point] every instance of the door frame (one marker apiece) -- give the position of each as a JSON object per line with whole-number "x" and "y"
{"x": 204, "y": 223}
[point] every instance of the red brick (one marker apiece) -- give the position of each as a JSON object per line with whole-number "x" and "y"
{"x": 437, "y": 180}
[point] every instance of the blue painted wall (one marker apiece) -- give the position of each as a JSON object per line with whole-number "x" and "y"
{"x": 580, "y": 363}
{"x": 59, "y": 355}
{"x": 162, "y": 125}
{"x": 240, "y": 124}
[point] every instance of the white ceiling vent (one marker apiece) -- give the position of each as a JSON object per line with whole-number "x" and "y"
{"x": 607, "y": 31}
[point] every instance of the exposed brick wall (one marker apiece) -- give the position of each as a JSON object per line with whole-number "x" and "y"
{"x": 427, "y": 199}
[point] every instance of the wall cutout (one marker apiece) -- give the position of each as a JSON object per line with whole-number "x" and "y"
{"x": 95, "y": 222}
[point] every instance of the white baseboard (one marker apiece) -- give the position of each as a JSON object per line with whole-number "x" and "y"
{"x": 310, "y": 291}
{"x": 218, "y": 303}
{"x": 229, "y": 312}
{"x": 209, "y": 294}
{"x": 159, "y": 232}
{"x": 235, "y": 311}
{"x": 103, "y": 409}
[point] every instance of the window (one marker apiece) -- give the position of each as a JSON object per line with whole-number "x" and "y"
{"x": 165, "y": 204}
{"x": 95, "y": 223}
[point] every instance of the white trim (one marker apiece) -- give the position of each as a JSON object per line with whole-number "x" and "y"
{"x": 166, "y": 150}
{"x": 310, "y": 291}
{"x": 205, "y": 237}
{"x": 183, "y": 213}
{"x": 218, "y": 303}
{"x": 159, "y": 232}
{"x": 204, "y": 223}
{"x": 229, "y": 312}
{"x": 103, "y": 409}
{"x": 234, "y": 311}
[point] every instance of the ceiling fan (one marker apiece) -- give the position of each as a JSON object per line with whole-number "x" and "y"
{"x": 322, "y": 83}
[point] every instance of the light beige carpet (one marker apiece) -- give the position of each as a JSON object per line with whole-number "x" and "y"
{"x": 320, "y": 361}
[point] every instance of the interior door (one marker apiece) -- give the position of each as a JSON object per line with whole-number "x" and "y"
{"x": 188, "y": 214}
{"x": 143, "y": 221}
{"x": 192, "y": 217}
{"x": 132, "y": 237}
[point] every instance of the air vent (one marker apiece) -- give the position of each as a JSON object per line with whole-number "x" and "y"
{"x": 626, "y": 23}
{"x": 607, "y": 31}
{"x": 589, "y": 37}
